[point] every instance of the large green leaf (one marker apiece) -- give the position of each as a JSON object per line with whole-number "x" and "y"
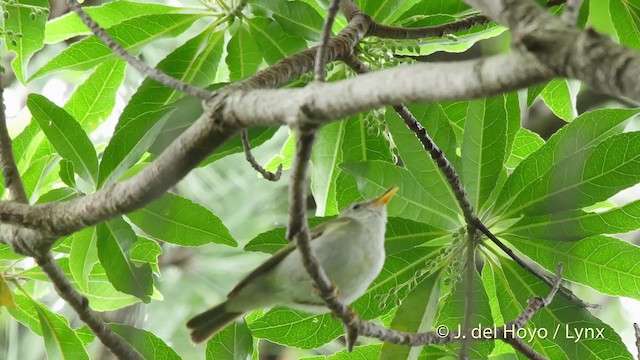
{"x": 380, "y": 10}
{"x": 39, "y": 176}
{"x": 243, "y": 54}
{"x": 412, "y": 200}
{"x": 587, "y": 130}
{"x": 107, "y": 15}
{"x": 131, "y": 34}
{"x": 296, "y": 329}
{"x": 66, "y": 135}
{"x": 93, "y": 101}
{"x": 146, "y": 343}
{"x": 604, "y": 263}
{"x": 415, "y": 314}
{"x": 587, "y": 177}
{"x": 233, "y": 343}
{"x": 115, "y": 239}
{"x": 413, "y": 8}
{"x": 524, "y": 144}
{"x": 273, "y": 41}
{"x": 327, "y": 154}
{"x": 485, "y": 144}
{"x": 295, "y": 17}
{"x": 561, "y": 319}
{"x": 575, "y": 225}
{"x": 26, "y": 18}
{"x": 195, "y": 62}
{"x": 180, "y": 221}
{"x": 626, "y": 20}
{"x": 452, "y": 313}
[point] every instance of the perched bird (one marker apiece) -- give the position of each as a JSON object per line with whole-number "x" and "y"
{"x": 350, "y": 249}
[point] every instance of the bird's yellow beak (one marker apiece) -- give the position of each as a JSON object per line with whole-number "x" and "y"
{"x": 386, "y": 197}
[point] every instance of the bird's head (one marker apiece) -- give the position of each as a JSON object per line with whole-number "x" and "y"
{"x": 370, "y": 209}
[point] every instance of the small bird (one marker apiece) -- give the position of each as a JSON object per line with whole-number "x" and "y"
{"x": 350, "y": 249}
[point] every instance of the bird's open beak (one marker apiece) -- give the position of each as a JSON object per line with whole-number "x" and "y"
{"x": 384, "y": 198}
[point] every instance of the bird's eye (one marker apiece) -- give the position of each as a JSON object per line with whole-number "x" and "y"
{"x": 356, "y": 206}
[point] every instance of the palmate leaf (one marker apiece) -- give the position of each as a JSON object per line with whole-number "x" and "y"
{"x": 27, "y": 18}
{"x": 195, "y": 62}
{"x": 273, "y": 41}
{"x": 107, "y": 15}
{"x": 434, "y": 207}
{"x": 486, "y": 143}
{"x": 585, "y": 131}
{"x": 582, "y": 179}
{"x": 604, "y": 263}
{"x": 132, "y": 33}
{"x": 561, "y": 319}
{"x": 415, "y": 314}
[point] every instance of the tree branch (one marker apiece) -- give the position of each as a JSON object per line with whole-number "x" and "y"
{"x": 244, "y": 136}
{"x": 321, "y": 54}
{"x": 394, "y": 32}
{"x": 10, "y": 174}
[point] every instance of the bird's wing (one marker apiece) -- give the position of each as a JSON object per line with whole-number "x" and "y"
{"x": 270, "y": 263}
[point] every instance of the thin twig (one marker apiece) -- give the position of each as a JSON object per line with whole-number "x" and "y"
{"x": 244, "y": 136}
{"x": 571, "y": 11}
{"x": 394, "y": 32}
{"x": 636, "y": 327}
{"x": 468, "y": 299}
{"x": 117, "y": 49}
{"x": 321, "y": 54}
{"x": 80, "y": 304}
{"x": 10, "y": 173}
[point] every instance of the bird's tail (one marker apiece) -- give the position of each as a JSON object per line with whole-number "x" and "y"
{"x": 206, "y": 324}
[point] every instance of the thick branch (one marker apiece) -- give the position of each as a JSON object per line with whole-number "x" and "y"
{"x": 321, "y": 54}
{"x": 12, "y": 181}
{"x": 394, "y": 32}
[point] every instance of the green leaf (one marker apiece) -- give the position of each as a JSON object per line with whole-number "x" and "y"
{"x": 66, "y": 135}
{"x": 243, "y": 55}
{"x": 27, "y": 18}
{"x": 327, "y": 154}
{"x": 6, "y": 295}
{"x": 626, "y": 15}
{"x": 533, "y": 92}
{"x": 146, "y": 251}
{"x": 514, "y": 290}
{"x": 115, "y": 239}
{"x": 575, "y": 225}
{"x": 285, "y": 157}
{"x": 35, "y": 178}
{"x": 412, "y": 201}
{"x": 415, "y": 314}
{"x": 295, "y": 17}
{"x": 560, "y": 96}
{"x": 452, "y": 316}
{"x": 525, "y": 143}
{"x": 131, "y": 34}
{"x": 233, "y": 343}
{"x": 363, "y": 352}
{"x": 145, "y": 342}
{"x": 180, "y": 221}
{"x": 585, "y": 131}
{"x": 296, "y": 329}
{"x": 584, "y": 178}
{"x": 103, "y": 296}
{"x": 604, "y": 263}
{"x": 273, "y": 41}
{"x": 60, "y": 340}
{"x": 85, "y": 335}
{"x": 60, "y": 194}
{"x": 83, "y": 256}
{"x": 93, "y": 101}
{"x": 195, "y": 62}
{"x": 412, "y": 8}
{"x": 380, "y": 10}
{"x": 67, "y": 174}
{"x": 107, "y": 15}
{"x": 485, "y": 144}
